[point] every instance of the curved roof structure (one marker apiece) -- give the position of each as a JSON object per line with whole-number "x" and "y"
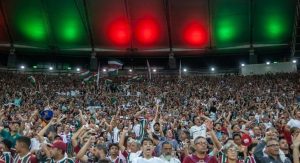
{"x": 144, "y": 27}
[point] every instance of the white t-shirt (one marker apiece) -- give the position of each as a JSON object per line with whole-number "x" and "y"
{"x": 133, "y": 156}
{"x": 35, "y": 144}
{"x": 151, "y": 160}
{"x": 172, "y": 160}
{"x": 196, "y": 131}
{"x": 294, "y": 123}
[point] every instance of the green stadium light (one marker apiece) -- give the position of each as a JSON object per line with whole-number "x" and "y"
{"x": 69, "y": 68}
{"x": 275, "y": 27}
{"x": 32, "y": 27}
{"x": 34, "y": 67}
{"x": 225, "y": 30}
{"x": 70, "y": 30}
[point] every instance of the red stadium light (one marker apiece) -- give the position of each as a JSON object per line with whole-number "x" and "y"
{"x": 195, "y": 34}
{"x": 119, "y": 32}
{"x": 147, "y": 31}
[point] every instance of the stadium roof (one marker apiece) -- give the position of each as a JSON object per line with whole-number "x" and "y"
{"x": 145, "y": 27}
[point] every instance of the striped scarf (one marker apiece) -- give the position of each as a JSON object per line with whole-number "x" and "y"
{"x": 250, "y": 159}
{"x": 142, "y": 130}
{"x": 70, "y": 150}
{"x": 222, "y": 157}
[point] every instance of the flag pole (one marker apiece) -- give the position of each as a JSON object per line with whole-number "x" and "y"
{"x": 149, "y": 69}
{"x": 98, "y": 75}
{"x": 180, "y": 69}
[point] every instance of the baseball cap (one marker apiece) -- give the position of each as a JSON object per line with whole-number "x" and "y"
{"x": 59, "y": 145}
{"x": 246, "y": 140}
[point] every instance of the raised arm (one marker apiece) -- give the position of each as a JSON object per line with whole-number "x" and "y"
{"x": 76, "y": 134}
{"x": 296, "y": 152}
{"x": 136, "y": 115}
{"x": 82, "y": 120}
{"x": 156, "y": 114}
{"x": 209, "y": 127}
{"x": 81, "y": 154}
{"x": 44, "y": 130}
{"x": 122, "y": 139}
{"x": 258, "y": 152}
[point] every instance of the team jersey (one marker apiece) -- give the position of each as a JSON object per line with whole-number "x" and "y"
{"x": 29, "y": 158}
{"x": 64, "y": 160}
{"x": 6, "y": 158}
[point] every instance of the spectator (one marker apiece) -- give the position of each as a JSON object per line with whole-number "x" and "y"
{"x": 58, "y": 152}
{"x": 6, "y": 145}
{"x": 166, "y": 155}
{"x": 272, "y": 153}
{"x": 23, "y": 151}
{"x": 201, "y": 152}
{"x": 147, "y": 148}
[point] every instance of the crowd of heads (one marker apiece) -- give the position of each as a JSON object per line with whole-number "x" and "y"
{"x": 195, "y": 118}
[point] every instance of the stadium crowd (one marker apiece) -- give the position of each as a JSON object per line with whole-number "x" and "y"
{"x": 211, "y": 119}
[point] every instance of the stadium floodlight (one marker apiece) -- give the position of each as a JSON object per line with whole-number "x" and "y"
{"x": 22, "y": 67}
{"x": 212, "y": 69}
{"x": 154, "y": 70}
{"x": 78, "y": 69}
{"x": 69, "y": 68}
{"x": 50, "y": 68}
{"x": 184, "y": 70}
{"x": 294, "y": 61}
{"x": 268, "y": 63}
{"x": 242, "y": 64}
{"x": 130, "y": 70}
{"x": 104, "y": 70}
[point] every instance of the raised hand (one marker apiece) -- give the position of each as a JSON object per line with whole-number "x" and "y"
{"x": 209, "y": 125}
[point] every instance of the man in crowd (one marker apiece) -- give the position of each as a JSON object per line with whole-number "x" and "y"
{"x": 58, "y": 152}
{"x": 201, "y": 152}
{"x": 114, "y": 154}
{"x": 147, "y": 157}
{"x": 167, "y": 151}
{"x": 272, "y": 151}
{"x": 5, "y": 146}
{"x": 23, "y": 151}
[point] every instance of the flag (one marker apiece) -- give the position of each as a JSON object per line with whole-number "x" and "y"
{"x": 113, "y": 67}
{"x": 115, "y": 63}
{"x": 135, "y": 78}
{"x": 85, "y": 74}
{"x": 149, "y": 69}
{"x": 32, "y": 80}
{"x": 112, "y": 72}
{"x": 108, "y": 82}
{"x": 90, "y": 78}
{"x": 180, "y": 70}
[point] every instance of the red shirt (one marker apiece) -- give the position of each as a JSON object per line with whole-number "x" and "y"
{"x": 195, "y": 159}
